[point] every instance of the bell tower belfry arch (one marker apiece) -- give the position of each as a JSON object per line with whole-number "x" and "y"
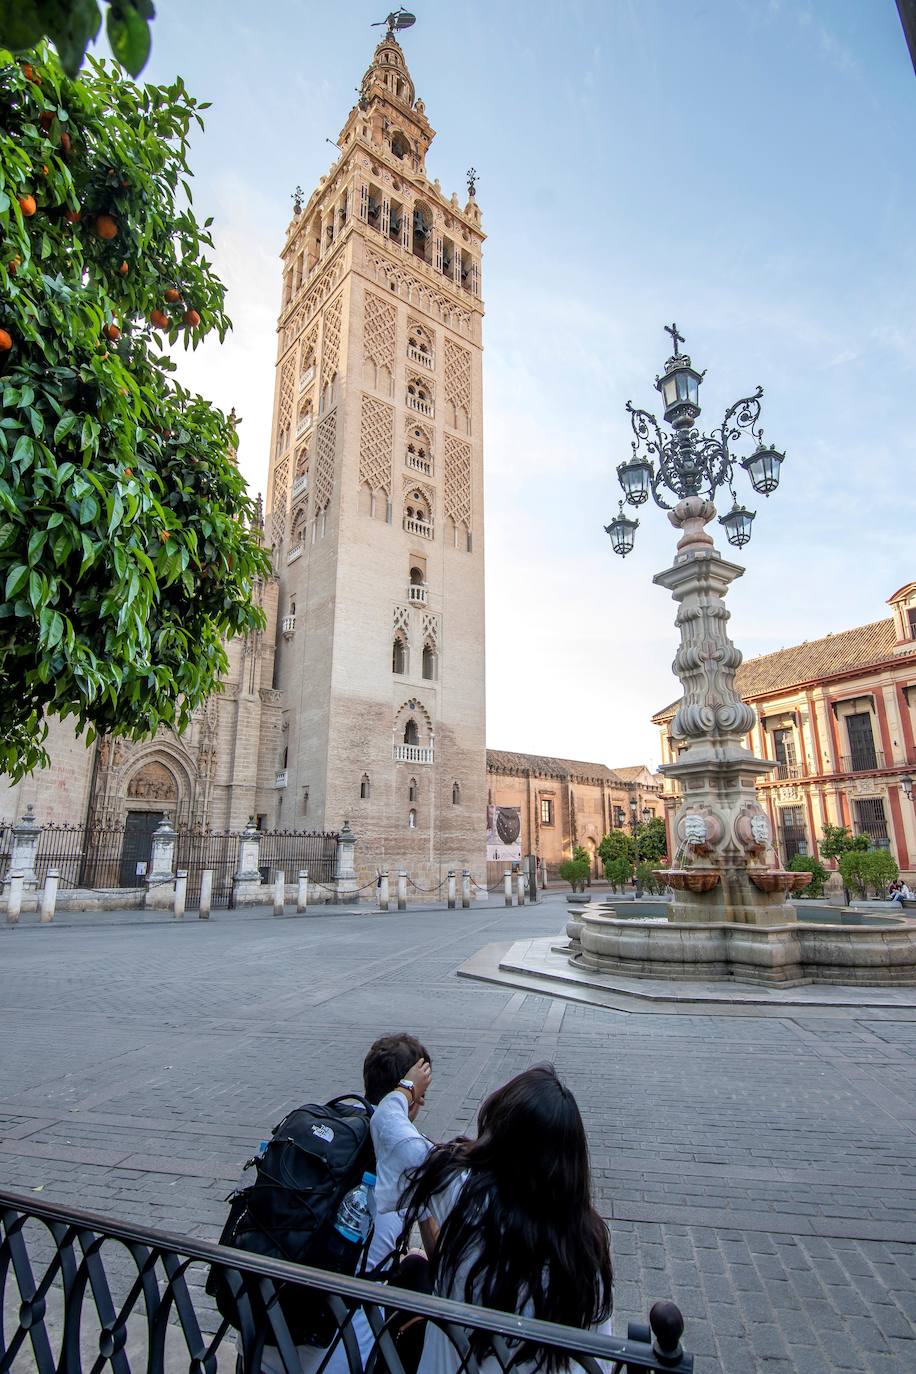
{"x": 375, "y": 496}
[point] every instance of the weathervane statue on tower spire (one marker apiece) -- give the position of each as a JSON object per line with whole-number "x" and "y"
{"x": 397, "y": 19}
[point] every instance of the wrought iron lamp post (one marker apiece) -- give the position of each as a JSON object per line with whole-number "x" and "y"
{"x": 725, "y": 867}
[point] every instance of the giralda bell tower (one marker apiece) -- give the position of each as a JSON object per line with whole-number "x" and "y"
{"x": 375, "y": 499}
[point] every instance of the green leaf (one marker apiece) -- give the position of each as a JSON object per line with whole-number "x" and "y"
{"x": 71, "y": 27}
{"x": 21, "y": 24}
{"x": 15, "y": 580}
{"x": 64, "y": 425}
{"x": 129, "y": 36}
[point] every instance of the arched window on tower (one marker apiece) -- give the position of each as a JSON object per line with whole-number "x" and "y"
{"x": 411, "y": 733}
{"x": 411, "y": 819}
{"x": 364, "y": 787}
{"x": 456, "y": 794}
{"x": 399, "y": 663}
{"x": 399, "y": 144}
{"x": 429, "y": 661}
{"x": 413, "y": 790}
{"x": 417, "y": 514}
{"x": 423, "y": 231}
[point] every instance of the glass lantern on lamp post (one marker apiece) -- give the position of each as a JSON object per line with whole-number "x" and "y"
{"x": 686, "y": 463}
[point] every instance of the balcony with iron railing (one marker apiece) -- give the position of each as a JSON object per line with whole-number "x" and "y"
{"x": 420, "y": 527}
{"x": 417, "y": 403}
{"x": 289, "y": 624}
{"x": 418, "y": 356}
{"x": 419, "y": 464}
{"x": 787, "y": 770}
{"x": 861, "y": 761}
{"x": 413, "y": 753}
{"x": 300, "y": 484}
{"x": 417, "y": 594}
{"x": 294, "y": 553}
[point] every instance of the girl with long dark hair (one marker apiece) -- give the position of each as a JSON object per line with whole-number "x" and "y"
{"x": 517, "y": 1228}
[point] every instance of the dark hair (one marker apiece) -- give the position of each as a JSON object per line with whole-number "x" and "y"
{"x": 388, "y": 1059}
{"x": 523, "y": 1222}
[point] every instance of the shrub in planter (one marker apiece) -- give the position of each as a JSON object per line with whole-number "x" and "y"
{"x": 575, "y": 872}
{"x": 806, "y": 863}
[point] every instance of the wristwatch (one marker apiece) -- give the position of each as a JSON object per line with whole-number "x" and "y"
{"x": 408, "y": 1085}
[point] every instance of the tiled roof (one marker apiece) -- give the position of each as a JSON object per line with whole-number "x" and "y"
{"x": 544, "y": 766}
{"x": 818, "y": 658}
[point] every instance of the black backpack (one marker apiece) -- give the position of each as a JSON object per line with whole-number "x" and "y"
{"x": 315, "y": 1155}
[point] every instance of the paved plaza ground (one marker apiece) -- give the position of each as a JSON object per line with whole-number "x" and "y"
{"x": 760, "y": 1169}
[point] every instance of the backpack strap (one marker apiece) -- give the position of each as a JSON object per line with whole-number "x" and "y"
{"x": 352, "y": 1097}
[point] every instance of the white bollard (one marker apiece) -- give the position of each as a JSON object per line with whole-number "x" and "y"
{"x": 451, "y": 890}
{"x": 49, "y": 895}
{"x": 520, "y": 888}
{"x": 279, "y": 892}
{"x": 206, "y": 895}
{"x": 402, "y": 889}
{"x": 507, "y": 886}
{"x": 465, "y": 887}
{"x": 384, "y": 892}
{"x": 302, "y": 891}
{"x": 181, "y": 893}
{"x": 14, "y": 900}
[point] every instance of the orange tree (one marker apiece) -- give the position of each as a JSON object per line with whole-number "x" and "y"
{"x": 127, "y": 547}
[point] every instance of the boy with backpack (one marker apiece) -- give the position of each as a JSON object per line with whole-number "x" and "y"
{"x": 314, "y": 1158}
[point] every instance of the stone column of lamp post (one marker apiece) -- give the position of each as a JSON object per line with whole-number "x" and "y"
{"x": 725, "y": 867}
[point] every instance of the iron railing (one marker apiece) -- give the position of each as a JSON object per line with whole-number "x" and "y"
{"x": 291, "y": 851}
{"x": 218, "y": 850}
{"x": 862, "y": 760}
{"x": 89, "y": 1293}
{"x": 92, "y": 856}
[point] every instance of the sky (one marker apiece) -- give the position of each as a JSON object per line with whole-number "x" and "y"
{"x": 744, "y": 167}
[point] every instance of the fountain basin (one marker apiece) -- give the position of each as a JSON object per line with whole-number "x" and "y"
{"x": 778, "y": 880}
{"x": 788, "y": 955}
{"x": 690, "y": 879}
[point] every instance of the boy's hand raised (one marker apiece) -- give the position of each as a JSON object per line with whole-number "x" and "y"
{"x": 420, "y": 1075}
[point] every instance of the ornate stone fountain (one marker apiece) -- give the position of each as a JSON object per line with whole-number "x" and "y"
{"x": 729, "y": 916}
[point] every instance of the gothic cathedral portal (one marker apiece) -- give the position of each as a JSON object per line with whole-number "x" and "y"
{"x": 375, "y": 499}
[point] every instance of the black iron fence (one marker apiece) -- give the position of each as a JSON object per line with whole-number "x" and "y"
{"x": 6, "y": 844}
{"x": 79, "y": 1292}
{"x": 216, "y": 850}
{"x": 90, "y": 856}
{"x": 291, "y": 851}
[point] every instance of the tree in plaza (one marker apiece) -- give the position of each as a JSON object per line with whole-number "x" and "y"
{"x": 862, "y": 869}
{"x": 617, "y": 852}
{"x": 575, "y": 872}
{"x": 839, "y": 839}
{"x": 806, "y": 863}
{"x": 651, "y": 840}
{"x": 72, "y": 24}
{"x": 126, "y": 547}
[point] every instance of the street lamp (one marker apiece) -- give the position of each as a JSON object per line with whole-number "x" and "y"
{"x": 906, "y": 782}
{"x": 687, "y": 463}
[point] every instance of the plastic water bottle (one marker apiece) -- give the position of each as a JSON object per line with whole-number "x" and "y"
{"x": 351, "y": 1227}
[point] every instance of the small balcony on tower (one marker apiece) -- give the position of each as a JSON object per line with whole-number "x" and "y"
{"x": 418, "y": 517}
{"x": 419, "y": 396}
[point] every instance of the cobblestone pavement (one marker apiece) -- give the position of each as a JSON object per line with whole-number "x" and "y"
{"x": 760, "y": 1170}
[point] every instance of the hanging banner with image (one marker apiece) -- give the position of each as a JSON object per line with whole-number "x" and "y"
{"x": 504, "y": 833}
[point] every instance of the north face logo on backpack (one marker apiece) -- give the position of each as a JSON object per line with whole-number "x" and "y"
{"x": 323, "y": 1133}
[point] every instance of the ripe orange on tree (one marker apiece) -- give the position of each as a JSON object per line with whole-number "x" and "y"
{"x": 171, "y": 295}
{"x": 27, "y": 205}
{"x": 106, "y": 227}
{"x": 46, "y": 120}
{"x": 124, "y": 269}
{"x": 6, "y": 341}
{"x": 191, "y": 319}
{"x": 160, "y": 319}
{"x": 112, "y": 332}
{"x": 72, "y": 216}
{"x": 65, "y": 143}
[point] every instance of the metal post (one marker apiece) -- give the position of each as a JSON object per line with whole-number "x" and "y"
{"x": 206, "y": 894}
{"x": 384, "y": 894}
{"x": 49, "y": 895}
{"x": 181, "y": 892}
{"x": 451, "y": 890}
{"x": 302, "y": 891}
{"x": 402, "y": 889}
{"x": 14, "y": 900}
{"x": 507, "y": 886}
{"x": 520, "y": 887}
{"x": 279, "y": 892}
{"x": 465, "y": 887}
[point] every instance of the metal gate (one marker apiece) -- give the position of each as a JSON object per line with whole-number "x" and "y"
{"x": 294, "y": 850}
{"x": 197, "y": 850}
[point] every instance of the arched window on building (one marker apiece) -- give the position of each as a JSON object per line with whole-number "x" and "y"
{"x": 456, "y": 794}
{"x": 423, "y": 231}
{"x": 411, "y": 819}
{"x": 417, "y": 514}
{"x": 411, "y": 733}
{"x": 399, "y": 662}
{"x": 399, "y": 144}
{"x": 413, "y": 791}
{"x": 429, "y": 661}
{"x": 364, "y": 787}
